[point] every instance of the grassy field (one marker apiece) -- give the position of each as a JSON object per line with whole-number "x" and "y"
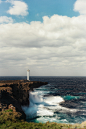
{"x": 11, "y": 120}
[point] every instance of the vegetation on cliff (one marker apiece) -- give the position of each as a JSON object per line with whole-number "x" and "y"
{"x": 12, "y": 120}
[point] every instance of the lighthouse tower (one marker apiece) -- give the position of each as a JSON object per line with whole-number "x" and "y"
{"x": 28, "y": 73}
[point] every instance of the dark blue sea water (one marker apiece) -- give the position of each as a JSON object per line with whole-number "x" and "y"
{"x": 62, "y": 100}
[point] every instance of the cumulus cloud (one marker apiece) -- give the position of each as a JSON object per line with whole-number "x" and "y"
{"x": 5, "y": 19}
{"x": 55, "y": 31}
{"x": 56, "y": 46}
{"x": 18, "y": 8}
{"x": 80, "y": 6}
{"x": 59, "y": 43}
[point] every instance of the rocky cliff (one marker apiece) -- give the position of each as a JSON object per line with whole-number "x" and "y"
{"x": 15, "y": 93}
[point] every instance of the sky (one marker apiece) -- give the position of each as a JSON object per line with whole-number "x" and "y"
{"x": 48, "y": 37}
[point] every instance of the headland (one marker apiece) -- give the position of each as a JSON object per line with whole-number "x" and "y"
{"x": 15, "y": 93}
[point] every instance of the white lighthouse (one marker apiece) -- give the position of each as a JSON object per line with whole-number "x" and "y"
{"x": 28, "y": 73}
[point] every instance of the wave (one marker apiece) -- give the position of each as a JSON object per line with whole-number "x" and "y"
{"x": 69, "y": 97}
{"x": 44, "y": 106}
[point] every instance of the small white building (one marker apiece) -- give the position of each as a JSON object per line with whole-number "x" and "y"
{"x": 28, "y": 74}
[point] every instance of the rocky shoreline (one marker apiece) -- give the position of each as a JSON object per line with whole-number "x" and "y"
{"x": 14, "y": 93}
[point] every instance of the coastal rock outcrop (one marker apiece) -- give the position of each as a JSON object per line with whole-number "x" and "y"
{"x": 14, "y": 93}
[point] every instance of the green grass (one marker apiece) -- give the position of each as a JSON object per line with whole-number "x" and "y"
{"x": 11, "y": 120}
{"x": 9, "y": 110}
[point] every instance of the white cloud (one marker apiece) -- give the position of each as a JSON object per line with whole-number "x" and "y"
{"x": 18, "y": 8}
{"x": 80, "y": 6}
{"x": 55, "y": 31}
{"x": 59, "y": 43}
{"x": 5, "y": 19}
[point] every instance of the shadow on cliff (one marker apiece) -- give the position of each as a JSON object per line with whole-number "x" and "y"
{"x": 8, "y": 99}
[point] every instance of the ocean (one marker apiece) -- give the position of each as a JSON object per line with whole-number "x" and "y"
{"x": 62, "y": 100}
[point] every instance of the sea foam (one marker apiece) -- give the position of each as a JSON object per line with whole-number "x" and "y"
{"x": 41, "y": 106}
{"x": 45, "y": 108}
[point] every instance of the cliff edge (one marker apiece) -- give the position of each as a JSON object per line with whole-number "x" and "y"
{"x": 14, "y": 93}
